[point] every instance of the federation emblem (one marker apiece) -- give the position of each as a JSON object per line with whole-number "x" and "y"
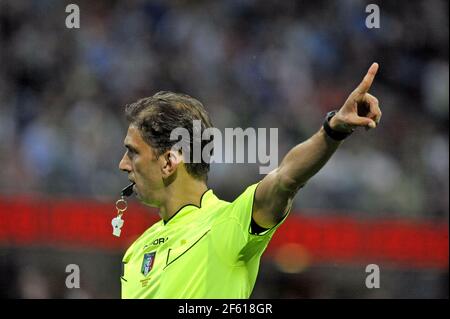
{"x": 147, "y": 263}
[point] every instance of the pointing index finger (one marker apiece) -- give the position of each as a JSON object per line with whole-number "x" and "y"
{"x": 366, "y": 83}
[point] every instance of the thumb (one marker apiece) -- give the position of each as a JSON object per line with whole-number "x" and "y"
{"x": 362, "y": 121}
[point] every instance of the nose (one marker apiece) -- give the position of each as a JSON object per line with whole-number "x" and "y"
{"x": 125, "y": 164}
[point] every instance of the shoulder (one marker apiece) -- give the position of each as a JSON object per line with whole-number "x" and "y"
{"x": 220, "y": 210}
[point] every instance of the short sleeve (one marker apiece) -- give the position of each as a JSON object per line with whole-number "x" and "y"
{"x": 241, "y": 210}
{"x": 232, "y": 238}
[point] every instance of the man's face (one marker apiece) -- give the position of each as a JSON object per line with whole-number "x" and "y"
{"x": 142, "y": 166}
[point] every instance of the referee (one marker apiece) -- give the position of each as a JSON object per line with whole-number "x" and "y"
{"x": 204, "y": 247}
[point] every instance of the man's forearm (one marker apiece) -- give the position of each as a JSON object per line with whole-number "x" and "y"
{"x": 275, "y": 192}
{"x": 304, "y": 160}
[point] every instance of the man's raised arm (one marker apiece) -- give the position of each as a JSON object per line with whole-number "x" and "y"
{"x": 275, "y": 192}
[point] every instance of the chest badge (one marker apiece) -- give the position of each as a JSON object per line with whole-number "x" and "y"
{"x": 147, "y": 262}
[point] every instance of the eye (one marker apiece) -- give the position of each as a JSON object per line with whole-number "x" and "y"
{"x": 131, "y": 153}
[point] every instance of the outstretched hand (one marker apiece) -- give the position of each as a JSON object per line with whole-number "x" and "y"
{"x": 361, "y": 108}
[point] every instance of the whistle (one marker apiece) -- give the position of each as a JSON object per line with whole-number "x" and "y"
{"x": 127, "y": 191}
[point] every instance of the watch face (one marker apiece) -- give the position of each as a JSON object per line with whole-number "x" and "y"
{"x": 330, "y": 115}
{"x": 335, "y": 135}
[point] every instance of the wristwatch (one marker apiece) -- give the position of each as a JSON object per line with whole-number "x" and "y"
{"x": 335, "y": 135}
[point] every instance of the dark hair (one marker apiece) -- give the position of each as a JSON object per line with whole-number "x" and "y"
{"x": 157, "y": 116}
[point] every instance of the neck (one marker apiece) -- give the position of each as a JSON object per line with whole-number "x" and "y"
{"x": 178, "y": 195}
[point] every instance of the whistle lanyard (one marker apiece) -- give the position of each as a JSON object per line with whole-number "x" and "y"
{"x": 121, "y": 206}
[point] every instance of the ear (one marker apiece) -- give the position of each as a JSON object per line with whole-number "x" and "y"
{"x": 169, "y": 162}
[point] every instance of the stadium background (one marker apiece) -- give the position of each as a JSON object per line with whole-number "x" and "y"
{"x": 383, "y": 198}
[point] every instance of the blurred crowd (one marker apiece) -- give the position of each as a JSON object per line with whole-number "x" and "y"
{"x": 252, "y": 63}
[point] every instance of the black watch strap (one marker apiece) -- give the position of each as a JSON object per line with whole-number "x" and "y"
{"x": 335, "y": 135}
